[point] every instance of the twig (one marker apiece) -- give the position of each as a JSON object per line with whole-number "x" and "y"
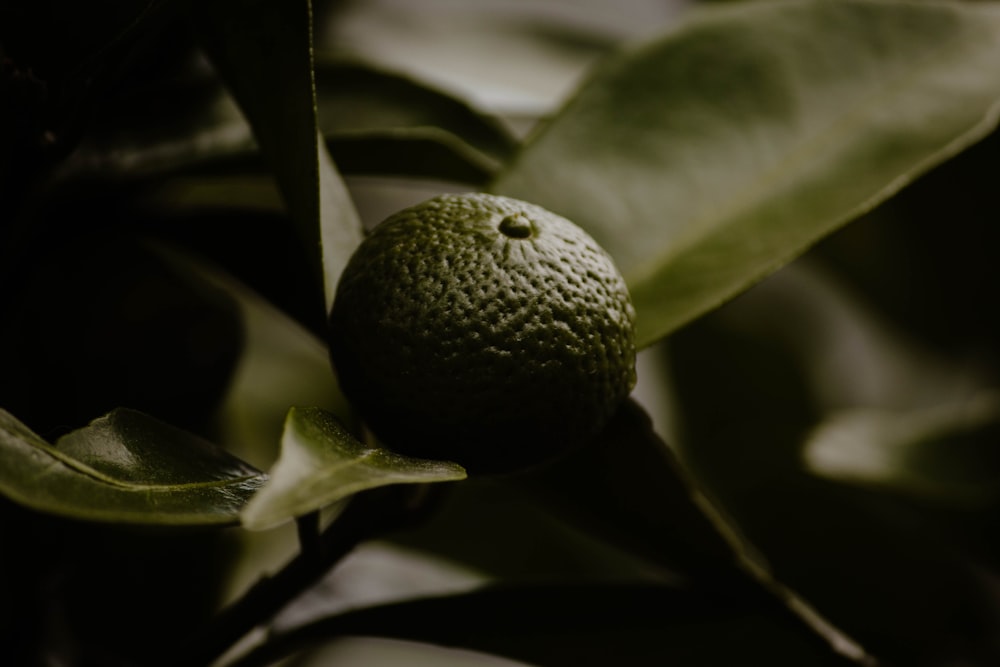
{"x": 367, "y": 515}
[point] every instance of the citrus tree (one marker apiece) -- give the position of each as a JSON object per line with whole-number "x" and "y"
{"x": 239, "y": 427}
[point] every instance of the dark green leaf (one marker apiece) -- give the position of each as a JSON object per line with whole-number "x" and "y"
{"x": 103, "y": 321}
{"x": 125, "y": 467}
{"x": 374, "y": 123}
{"x": 424, "y": 153}
{"x": 904, "y": 587}
{"x": 183, "y": 119}
{"x": 263, "y": 49}
{"x": 281, "y": 364}
{"x": 752, "y": 381}
{"x": 497, "y": 529}
{"x": 707, "y": 158}
{"x": 360, "y": 99}
{"x": 627, "y": 487}
{"x": 181, "y": 175}
{"x": 57, "y": 62}
{"x": 930, "y": 284}
{"x": 557, "y": 625}
{"x": 64, "y": 37}
{"x": 243, "y": 189}
{"x": 321, "y": 463}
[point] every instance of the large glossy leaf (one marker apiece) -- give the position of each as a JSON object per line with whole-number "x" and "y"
{"x": 570, "y": 625}
{"x": 321, "y": 463}
{"x": 706, "y": 158}
{"x": 125, "y": 467}
{"x": 263, "y": 49}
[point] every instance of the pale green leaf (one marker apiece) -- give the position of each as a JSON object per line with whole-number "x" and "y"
{"x": 948, "y": 454}
{"x": 710, "y": 156}
{"x": 321, "y": 463}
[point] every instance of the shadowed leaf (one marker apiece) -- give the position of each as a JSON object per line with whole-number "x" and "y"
{"x": 356, "y": 98}
{"x": 263, "y": 49}
{"x": 573, "y": 626}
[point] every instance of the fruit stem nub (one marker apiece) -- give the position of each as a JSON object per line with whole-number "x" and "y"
{"x": 516, "y": 226}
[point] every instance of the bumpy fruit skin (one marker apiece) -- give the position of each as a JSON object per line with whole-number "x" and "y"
{"x": 483, "y": 330}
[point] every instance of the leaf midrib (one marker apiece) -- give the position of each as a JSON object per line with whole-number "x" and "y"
{"x": 76, "y": 465}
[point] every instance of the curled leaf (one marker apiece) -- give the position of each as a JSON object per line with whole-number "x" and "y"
{"x": 321, "y": 464}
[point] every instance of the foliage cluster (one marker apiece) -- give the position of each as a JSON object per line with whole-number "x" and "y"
{"x": 806, "y": 475}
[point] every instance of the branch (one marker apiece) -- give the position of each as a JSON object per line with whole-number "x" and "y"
{"x": 368, "y": 515}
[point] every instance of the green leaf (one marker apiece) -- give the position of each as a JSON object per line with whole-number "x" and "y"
{"x": 552, "y": 625}
{"x": 321, "y": 463}
{"x": 947, "y": 455}
{"x": 707, "y": 158}
{"x": 355, "y": 98}
{"x": 263, "y": 49}
{"x": 125, "y": 467}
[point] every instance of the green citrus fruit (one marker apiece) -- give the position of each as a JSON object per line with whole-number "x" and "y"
{"x": 483, "y": 330}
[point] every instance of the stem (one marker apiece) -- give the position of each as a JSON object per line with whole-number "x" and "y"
{"x": 367, "y": 515}
{"x": 527, "y": 613}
